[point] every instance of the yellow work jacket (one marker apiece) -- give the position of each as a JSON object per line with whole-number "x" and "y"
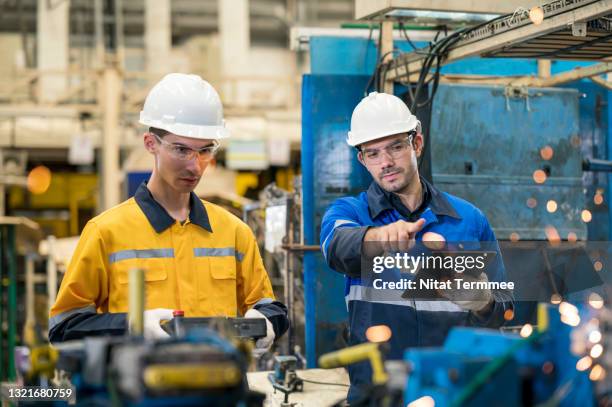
{"x": 208, "y": 266}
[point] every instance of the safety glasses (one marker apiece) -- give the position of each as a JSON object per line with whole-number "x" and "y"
{"x": 184, "y": 153}
{"x": 394, "y": 150}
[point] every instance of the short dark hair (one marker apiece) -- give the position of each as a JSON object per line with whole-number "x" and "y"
{"x": 158, "y": 132}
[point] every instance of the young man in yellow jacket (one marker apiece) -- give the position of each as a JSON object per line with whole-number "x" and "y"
{"x": 197, "y": 257}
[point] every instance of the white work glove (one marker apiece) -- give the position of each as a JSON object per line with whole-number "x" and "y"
{"x": 470, "y": 300}
{"x": 152, "y": 320}
{"x": 262, "y": 345}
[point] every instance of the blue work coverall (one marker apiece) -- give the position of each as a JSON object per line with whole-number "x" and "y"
{"x": 413, "y": 323}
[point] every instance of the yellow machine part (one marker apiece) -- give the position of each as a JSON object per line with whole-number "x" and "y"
{"x": 67, "y": 191}
{"x": 43, "y": 359}
{"x": 365, "y": 351}
{"x": 284, "y": 178}
{"x": 244, "y": 181}
{"x": 211, "y": 375}
{"x": 542, "y": 316}
{"x": 64, "y": 188}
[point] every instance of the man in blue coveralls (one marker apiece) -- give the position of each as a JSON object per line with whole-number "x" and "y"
{"x": 399, "y": 208}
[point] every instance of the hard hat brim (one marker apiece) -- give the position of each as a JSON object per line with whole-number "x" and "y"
{"x": 188, "y": 130}
{"x": 356, "y": 138}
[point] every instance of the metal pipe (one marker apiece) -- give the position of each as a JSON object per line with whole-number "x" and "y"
{"x": 51, "y": 272}
{"x": 29, "y": 285}
{"x": 2, "y": 190}
{"x": 110, "y": 148}
{"x": 301, "y": 247}
{"x": 29, "y": 327}
{"x": 158, "y": 36}
{"x": 602, "y": 82}
{"x": 99, "y": 33}
{"x": 366, "y": 351}
{"x": 570, "y": 76}
{"x": 386, "y": 49}
{"x": 408, "y": 66}
{"x": 12, "y": 298}
{"x": 593, "y": 164}
{"x": 290, "y": 277}
{"x": 2, "y": 304}
{"x": 286, "y": 284}
{"x": 608, "y": 114}
{"x": 544, "y": 66}
{"x": 119, "y": 37}
{"x": 137, "y": 302}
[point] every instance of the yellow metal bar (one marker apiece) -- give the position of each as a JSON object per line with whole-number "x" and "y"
{"x": 358, "y": 353}
{"x": 197, "y": 376}
{"x": 542, "y": 317}
{"x": 136, "y": 306}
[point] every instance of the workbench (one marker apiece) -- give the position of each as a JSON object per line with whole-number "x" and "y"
{"x": 319, "y": 395}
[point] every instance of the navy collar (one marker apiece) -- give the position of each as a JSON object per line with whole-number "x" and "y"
{"x": 160, "y": 219}
{"x": 380, "y": 200}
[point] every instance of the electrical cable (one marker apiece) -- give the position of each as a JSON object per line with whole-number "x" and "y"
{"x": 323, "y": 383}
{"x": 405, "y": 34}
{"x": 367, "y": 45}
{"x": 374, "y": 77}
{"x": 434, "y": 56}
{"x": 378, "y": 57}
{"x": 436, "y": 52}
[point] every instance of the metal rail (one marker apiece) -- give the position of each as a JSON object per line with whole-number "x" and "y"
{"x": 502, "y": 33}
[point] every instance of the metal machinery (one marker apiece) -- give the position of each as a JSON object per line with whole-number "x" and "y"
{"x": 18, "y": 237}
{"x": 470, "y": 156}
{"x": 487, "y": 136}
{"x": 276, "y": 220}
{"x": 487, "y": 140}
{"x": 196, "y": 367}
{"x": 492, "y": 167}
{"x": 285, "y": 378}
{"x": 243, "y": 328}
{"x": 553, "y": 363}
{"x": 8, "y": 298}
{"x": 531, "y": 368}
{"x": 200, "y": 368}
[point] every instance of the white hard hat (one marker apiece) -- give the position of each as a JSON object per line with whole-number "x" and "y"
{"x": 380, "y": 115}
{"x": 185, "y": 105}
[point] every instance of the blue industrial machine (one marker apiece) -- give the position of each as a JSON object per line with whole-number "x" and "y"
{"x": 485, "y": 147}
{"x": 482, "y": 367}
{"x": 330, "y": 170}
{"x": 555, "y": 363}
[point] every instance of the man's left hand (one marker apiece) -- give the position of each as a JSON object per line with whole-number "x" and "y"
{"x": 262, "y": 345}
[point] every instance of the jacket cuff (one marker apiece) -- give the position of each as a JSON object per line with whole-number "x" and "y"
{"x": 276, "y": 313}
{"x": 82, "y": 325}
